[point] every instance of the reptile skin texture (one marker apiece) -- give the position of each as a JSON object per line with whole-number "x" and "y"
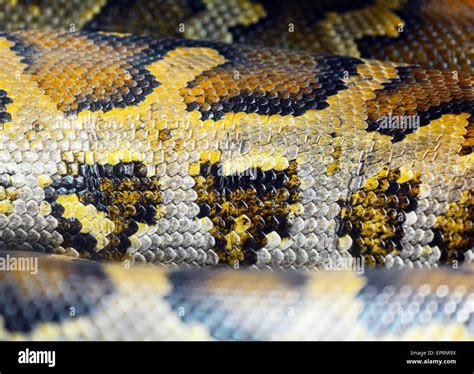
{"x": 200, "y": 145}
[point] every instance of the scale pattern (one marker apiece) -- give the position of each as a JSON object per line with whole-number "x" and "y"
{"x": 92, "y": 301}
{"x": 243, "y": 156}
{"x": 192, "y": 153}
{"x": 434, "y": 33}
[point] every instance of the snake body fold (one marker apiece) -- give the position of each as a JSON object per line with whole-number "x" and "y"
{"x": 191, "y": 153}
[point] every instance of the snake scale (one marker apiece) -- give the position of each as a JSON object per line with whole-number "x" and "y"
{"x": 212, "y": 170}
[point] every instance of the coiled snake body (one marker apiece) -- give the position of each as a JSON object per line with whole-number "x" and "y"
{"x": 190, "y": 153}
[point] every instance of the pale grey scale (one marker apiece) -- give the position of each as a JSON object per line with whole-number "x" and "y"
{"x": 159, "y": 256}
{"x": 176, "y": 239}
{"x": 189, "y": 254}
{"x": 173, "y": 224}
{"x": 46, "y": 237}
{"x": 188, "y": 240}
{"x": 20, "y": 237}
{"x": 149, "y": 256}
{"x": 3, "y": 221}
{"x": 185, "y": 223}
{"x": 8, "y": 235}
{"x": 311, "y": 241}
{"x": 146, "y": 244}
{"x": 169, "y": 255}
{"x": 322, "y": 245}
{"x": 27, "y": 221}
{"x": 139, "y": 259}
{"x": 178, "y": 254}
{"x": 32, "y": 208}
{"x": 33, "y": 236}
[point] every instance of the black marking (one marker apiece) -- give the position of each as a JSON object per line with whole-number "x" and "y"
{"x": 385, "y": 208}
{"x": 4, "y": 101}
{"x": 408, "y": 75}
{"x": 263, "y": 196}
{"x": 329, "y": 72}
{"x": 454, "y": 230}
{"x": 21, "y": 48}
{"x": 122, "y": 191}
{"x": 144, "y": 81}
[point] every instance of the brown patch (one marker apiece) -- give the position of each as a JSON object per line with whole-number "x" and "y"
{"x": 423, "y": 93}
{"x": 268, "y": 82}
{"x": 81, "y": 72}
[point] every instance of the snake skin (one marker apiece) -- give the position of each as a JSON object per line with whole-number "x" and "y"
{"x": 191, "y": 153}
{"x": 108, "y": 156}
{"x": 92, "y": 301}
{"x": 432, "y": 33}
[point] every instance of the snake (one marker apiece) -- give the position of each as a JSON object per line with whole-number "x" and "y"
{"x": 236, "y": 170}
